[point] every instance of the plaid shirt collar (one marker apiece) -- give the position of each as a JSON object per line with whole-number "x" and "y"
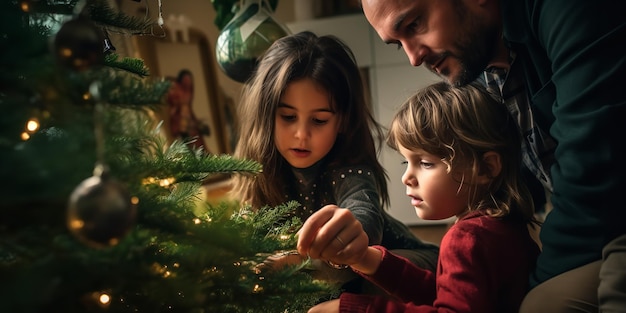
{"x": 507, "y": 85}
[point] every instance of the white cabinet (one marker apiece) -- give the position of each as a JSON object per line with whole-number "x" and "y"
{"x": 392, "y": 80}
{"x": 354, "y": 30}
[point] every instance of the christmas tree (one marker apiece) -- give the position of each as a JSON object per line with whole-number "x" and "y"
{"x": 99, "y": 213}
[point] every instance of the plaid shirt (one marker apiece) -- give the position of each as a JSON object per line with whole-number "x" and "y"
{"x": 537, "y": 145}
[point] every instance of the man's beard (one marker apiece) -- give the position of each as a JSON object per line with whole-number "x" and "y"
{"x": 474, "y": 49}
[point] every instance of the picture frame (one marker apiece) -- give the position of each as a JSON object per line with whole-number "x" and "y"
{"x": 189, "y": 50}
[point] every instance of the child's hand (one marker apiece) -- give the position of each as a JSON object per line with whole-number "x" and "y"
{"x": 326, "y": 307}
{"x": 333, "y": 234}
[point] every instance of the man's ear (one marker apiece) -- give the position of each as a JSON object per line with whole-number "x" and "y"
{"x": 492, "y": 167}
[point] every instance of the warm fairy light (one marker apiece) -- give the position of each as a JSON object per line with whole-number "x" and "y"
{"x": 66, "y": 52}
{"x": 163, "y": 270}
{"x": 25, "y": 6}
{"x": 76, "y": 224}
{"x": 165, "y": 182}
{"x": 284, "y": 237}
{"x": 101, "y": 298}
{"x": 134, "y": 200}
{"x": 104, "y": 298}
{"x": 86, "y": 96}
{"x": 257, "y": 288}
{"x": 197, "y": 221}
{"x": 158, "y": 268}
{"x": 32, "y": 125}
{"x": 25, "y": 136}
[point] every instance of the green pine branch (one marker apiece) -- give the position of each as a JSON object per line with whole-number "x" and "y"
{"x": 103, "y": 14}
{"x": 132, "y": 65}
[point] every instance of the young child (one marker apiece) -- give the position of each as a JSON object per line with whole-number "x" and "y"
{"x": 304, "y": 117}
{"x": 462, "y": 151}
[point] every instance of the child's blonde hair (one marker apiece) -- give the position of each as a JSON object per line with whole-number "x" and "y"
{"x": 460, "y": 124}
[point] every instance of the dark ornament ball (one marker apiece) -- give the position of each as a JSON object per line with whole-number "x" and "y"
{"x": 79, "y": 45}
{"x": 238, "y": 56}
{"x": 100, "y": 212}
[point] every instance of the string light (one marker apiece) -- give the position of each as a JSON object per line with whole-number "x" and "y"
{"x": 104, "y": 299}
{"x": 32, "y": 125}
{"x": 25, "y": 6}
{"x": 162, "y": 182}
{"x": 100, "y": 298}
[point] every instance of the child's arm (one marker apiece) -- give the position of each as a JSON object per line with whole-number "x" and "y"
{"x": 355, "y": 189}
{"x": 399, "y": 277}
{"x": 369, "y": 263}
{"x": 484, "y": 266}
{"x": 318, "y": 239}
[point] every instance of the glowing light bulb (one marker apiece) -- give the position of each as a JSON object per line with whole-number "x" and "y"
{"x": 25, "y": 6}
{"x": 104, "y": 298}
{"x": 32, "y": 125}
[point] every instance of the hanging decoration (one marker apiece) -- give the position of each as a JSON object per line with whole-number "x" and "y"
{"x": 79, "y": 44}
{"x": 225, "y": 10}
{"x": 101, "y": 211}
{"x": 246, "y": 37}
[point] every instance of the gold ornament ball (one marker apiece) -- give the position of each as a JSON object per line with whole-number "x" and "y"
{"x": 100, "y": 212}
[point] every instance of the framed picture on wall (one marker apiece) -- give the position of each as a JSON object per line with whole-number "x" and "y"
{"x": 194, "y": 111}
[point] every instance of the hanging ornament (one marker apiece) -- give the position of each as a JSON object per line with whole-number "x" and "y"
{"x": 101, "y": 211}
{"x": 79, "y": 44}
{"x": 246, "y": 37}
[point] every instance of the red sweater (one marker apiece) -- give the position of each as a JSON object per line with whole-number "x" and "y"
{"x": 483, "y": 267}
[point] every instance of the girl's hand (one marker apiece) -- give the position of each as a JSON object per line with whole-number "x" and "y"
{"x": 333, "y": 234}
{"x": 326, "y": 307}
